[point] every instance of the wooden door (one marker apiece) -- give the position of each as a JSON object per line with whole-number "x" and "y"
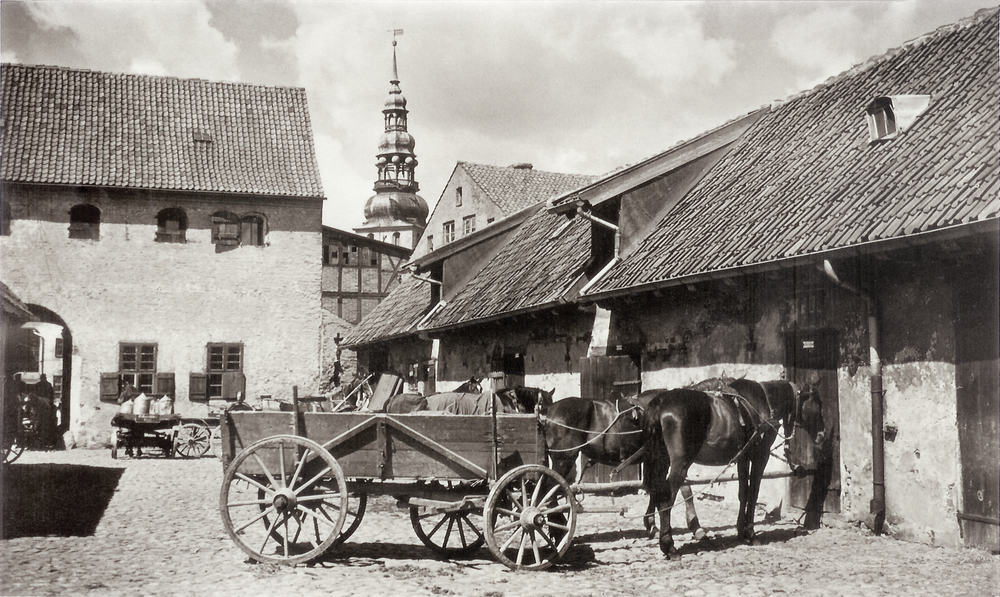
{"x": 977, "y": 321}
{"x": 811, "y": 358}
{"x": 604, "y": 378}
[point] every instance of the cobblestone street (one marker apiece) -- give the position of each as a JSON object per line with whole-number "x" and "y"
{"x": 161, "y": 535}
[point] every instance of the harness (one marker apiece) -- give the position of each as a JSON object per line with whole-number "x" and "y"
{"x": 606, "y": 431}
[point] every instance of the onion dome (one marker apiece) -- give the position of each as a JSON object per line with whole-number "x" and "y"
{"x": 396, "y": 206}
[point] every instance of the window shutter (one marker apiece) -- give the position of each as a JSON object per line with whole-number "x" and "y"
{"x": 233, "y": 382}
{"x": 198, "y": 387}
{"x": 165, "y": 384}
{"x": 109, "y": 387}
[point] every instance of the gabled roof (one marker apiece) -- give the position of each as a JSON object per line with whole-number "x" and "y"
{"x": 540, "y": 267}
{"x": 330, "y": 233}
{"x": 805, "y": 180}
{"x": 397, "y": 315}
{"x": 514, "y": 188}
{"x": 79, "y": 127}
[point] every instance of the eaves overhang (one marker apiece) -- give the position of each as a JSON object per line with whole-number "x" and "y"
{"x": 991, "y": 225}
{"x": 437, "y": 330}
{"x": 622, "y": 181}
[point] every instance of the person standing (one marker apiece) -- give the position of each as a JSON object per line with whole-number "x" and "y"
{"x": 46, "y": 412}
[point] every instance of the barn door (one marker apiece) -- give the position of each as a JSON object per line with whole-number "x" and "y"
{"x": 977, "y": 319}
{"x": 602, "y": 377}
{"x": 811, "y": 357}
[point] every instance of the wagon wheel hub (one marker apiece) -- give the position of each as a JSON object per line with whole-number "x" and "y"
{"x": 532, "y": 518}
{"x": 284, "y": 500}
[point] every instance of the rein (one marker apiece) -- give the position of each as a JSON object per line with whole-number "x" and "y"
{"x": 607, "y": 431}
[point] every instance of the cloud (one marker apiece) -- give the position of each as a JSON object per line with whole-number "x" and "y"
{"x": 164, "y": 36}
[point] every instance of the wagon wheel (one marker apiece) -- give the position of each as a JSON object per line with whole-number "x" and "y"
{"x": 193, "y": 440}
{"x": 304, "y": 503}
{"x": 356, "y": 505}
{"x": 114, "y": 444}
{"x": 451, "y": 534}
{"x": 530, "y": 518}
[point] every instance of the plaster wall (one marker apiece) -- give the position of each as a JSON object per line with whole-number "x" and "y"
{"x": 128, "y": 288}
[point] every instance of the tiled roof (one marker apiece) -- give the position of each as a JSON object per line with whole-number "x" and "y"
{"x": 805, "y": 179}
{"x": 397, "y": 314}
{"x": 533, "y": 270}
{"x": 78, "y": 127}
{"x": 513, "y": 189}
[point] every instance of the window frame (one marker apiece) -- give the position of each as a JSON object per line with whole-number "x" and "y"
{"x": 163, "y": 233}
{"x": 458, "y": 197}
{"x": 468, "y": 225}
{"x": 448, "y": 232}
{"x": 136, "y": 374}
{"x": 213, "y": 375}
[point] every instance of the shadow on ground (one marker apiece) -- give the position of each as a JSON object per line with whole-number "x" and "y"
{"x": 62, "y": 500}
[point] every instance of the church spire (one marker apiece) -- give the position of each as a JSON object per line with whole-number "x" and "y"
{"x": 395, "y": 202}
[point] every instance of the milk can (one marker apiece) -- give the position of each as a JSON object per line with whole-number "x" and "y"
{"x": 141, "y": 405}
{"x": 126, "y": 407}
{"x": 165, "y": 405}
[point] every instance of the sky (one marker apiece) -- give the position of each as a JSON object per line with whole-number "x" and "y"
{"x": 583, "y": 87}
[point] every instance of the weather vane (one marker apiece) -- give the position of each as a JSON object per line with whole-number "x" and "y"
{"x": 395, "y": 32}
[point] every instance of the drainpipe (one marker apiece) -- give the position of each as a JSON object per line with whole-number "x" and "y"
{"x": 876, "y": 517}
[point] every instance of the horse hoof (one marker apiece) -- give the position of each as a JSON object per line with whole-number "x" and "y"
{"x": 653, "y": 532}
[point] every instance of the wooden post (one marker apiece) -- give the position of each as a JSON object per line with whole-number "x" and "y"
{"x": 296, "y": 422}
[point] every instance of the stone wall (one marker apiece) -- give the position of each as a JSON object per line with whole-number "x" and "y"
{"x": 126, "y": 287}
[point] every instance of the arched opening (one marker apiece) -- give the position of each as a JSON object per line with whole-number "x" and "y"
{"x": 85, "y": 222}
{"x": 171, "y": 225}
{"x": 41, "y": 346}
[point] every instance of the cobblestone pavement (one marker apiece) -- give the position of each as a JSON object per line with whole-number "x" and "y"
{"x": 161, "y": 535}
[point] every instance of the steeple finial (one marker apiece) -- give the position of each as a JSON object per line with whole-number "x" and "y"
{"x": 395, "y": 72}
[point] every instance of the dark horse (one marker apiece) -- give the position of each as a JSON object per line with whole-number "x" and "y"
{"x": 717, "y": 423}
{"x": 513, "y": 400}
{"x": 606, "y": 431}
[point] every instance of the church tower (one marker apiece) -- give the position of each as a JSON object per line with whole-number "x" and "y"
{"x": 395, "y": 213}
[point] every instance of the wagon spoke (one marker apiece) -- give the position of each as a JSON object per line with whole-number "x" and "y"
{"x": 298, "y": 468}
{"x": 510, "y": 539}
{"x": 265, "y": 469}
{"x": 253, "y": 483}
{"x": 281, "y": 463}
{"x": 312, "y": 481}
{"x": 312, "y": 513}
{"x": 318, "y": 497}
{"x": 258, "y": 502}
{"x": 557, "y": 509}
{"x": 255, "y": 519}
{"x": 534, "y": 548}
{"x": 520, "y": 548}
{"x": 548, "y": 540}
{"x": 270, "y": 529}
{"x": 548, "y": 495}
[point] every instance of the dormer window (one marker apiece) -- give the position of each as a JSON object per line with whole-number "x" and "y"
{"x": 890, "y": 115}
{"x": 202, "y": 137}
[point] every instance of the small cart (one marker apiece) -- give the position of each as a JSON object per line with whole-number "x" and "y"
{"x": 144, "y": 431}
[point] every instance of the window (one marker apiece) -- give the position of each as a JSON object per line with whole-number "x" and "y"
{"x": 468, "y": 225}
{"x": 447, "y": 232}
{"x": 489, "y": 220}
{"x": 881, "y": 120}
{"x": 252, "y": 231}
{"x": 890, "y": 115}
{"x": 222, "y": 359}
{"x": 395, "y": 238}
{"x": 225, "y": 229}
{"x": 137, "y": 364}
{"x": 458, "y": 197}
{"x": 171, "y": 226}
{"x": 430, "y": 242}
{"x": 59, "y": 348}
{"x": 349, "y": 255}
{"x": 85, "y": 222}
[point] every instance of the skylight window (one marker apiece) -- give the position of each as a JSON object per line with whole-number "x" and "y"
{"x": 890, "y": 115}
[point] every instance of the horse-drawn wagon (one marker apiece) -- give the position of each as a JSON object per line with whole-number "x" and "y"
{"x": 296, "y": 483}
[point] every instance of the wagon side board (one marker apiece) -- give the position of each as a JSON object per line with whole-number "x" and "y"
{"x": 392, "y": 446}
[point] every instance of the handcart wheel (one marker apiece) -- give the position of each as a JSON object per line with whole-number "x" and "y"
{"x": 303, "y": 500}
{"x": 193, "y": 440}
{"x": 530, "y": 518}
{"x": 451, "y": 534}
{"x": 114, "y": 444}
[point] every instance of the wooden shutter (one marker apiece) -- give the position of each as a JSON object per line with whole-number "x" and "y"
{"x": 233, "y": 382}
{"x": 109, "y": 387}
{"x": 165, "y": 384}
{"x": 198, "y": 387}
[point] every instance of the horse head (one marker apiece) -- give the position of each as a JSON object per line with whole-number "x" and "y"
{"x": 808, "y": 438}
{"x": 470, "y": 387}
